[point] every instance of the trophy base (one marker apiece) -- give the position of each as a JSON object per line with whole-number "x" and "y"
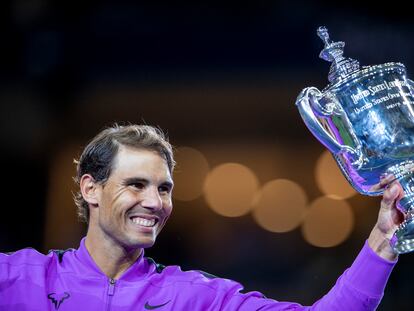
{"x": 403, "y": 240}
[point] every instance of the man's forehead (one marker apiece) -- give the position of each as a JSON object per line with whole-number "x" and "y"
{"x": 139, "y": 161}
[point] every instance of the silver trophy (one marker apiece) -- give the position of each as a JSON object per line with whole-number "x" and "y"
{"x": 365, "y": 117}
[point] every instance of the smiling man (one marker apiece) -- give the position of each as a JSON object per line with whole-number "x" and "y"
{"x": 125, "y": 186}
{"x": 129, "y": 210}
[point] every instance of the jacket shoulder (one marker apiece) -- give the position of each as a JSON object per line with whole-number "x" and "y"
{"x": 25, "y": 256}
{"x": 174, "y": 274}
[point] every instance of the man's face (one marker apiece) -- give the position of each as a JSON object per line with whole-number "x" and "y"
{"x": 135, "y": 202}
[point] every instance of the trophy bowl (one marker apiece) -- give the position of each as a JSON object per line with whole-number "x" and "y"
{"x": 365, "y": 117}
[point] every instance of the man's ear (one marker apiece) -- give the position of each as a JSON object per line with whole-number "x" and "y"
{"x": 88, "y": 188}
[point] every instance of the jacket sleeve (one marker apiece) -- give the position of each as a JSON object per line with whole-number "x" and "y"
{"x": 3, "y": 268}
{"x": 359, "y": 288}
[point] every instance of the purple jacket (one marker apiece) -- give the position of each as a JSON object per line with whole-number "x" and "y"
{"x": 70, "y": 280}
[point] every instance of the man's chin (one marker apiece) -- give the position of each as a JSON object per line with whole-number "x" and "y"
{"x": 141, "y": 243}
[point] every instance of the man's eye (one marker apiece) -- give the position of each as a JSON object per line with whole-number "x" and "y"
{"x": 164, "y": 189}
{"x": 138, "y": 185}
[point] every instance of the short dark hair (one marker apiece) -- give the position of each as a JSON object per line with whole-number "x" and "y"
{"x": 98, "y": 156}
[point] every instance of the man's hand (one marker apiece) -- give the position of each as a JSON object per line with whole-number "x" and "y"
{"x": 389, "y": 218}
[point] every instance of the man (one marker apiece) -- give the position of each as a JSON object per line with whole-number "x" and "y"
{"x": 125, "y": 182}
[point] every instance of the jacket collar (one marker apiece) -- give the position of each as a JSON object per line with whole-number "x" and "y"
{"x": 139, "y": 269}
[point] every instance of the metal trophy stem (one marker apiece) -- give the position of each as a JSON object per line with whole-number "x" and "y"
{"x": 365, "y": 117}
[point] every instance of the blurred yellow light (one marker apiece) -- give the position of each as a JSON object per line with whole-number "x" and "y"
{"x": 230, "y": 188}
{"x": 330, "y": 179}
{"x": 280, "y": 205}
{"x": 328, "y": 222}
{"x": 189, "y": 174}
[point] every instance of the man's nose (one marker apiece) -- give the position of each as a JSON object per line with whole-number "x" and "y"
{"x": 152, "y": 199}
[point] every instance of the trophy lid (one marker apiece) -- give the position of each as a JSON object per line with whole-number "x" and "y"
{"x": 341, "y": 66}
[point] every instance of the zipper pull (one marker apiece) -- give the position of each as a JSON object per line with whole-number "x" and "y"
{"x": 111, "y": 288}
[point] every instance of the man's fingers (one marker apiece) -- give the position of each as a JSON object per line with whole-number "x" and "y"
{"x": 391, "y": 194}
{"x": 385, "y": 180}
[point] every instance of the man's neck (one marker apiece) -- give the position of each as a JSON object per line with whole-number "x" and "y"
{"x": 110, "y": 257}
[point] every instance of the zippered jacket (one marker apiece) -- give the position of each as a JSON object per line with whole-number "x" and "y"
{"x": 70, "y": 280}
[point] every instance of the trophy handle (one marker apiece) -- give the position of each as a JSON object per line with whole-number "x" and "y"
{"x": 315, "y": 108}
{"x": 411, "y": 83}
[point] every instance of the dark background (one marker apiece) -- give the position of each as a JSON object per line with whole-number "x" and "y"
{"x": 209, "y": 73}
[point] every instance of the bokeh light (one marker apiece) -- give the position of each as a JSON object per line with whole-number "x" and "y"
{"x": 280, "y": 205}
{"x": 329, "y": 222}
{"x": 62, "y": 226}
{"x": 330, "y": 179}
{"x": 230, "y": 188}
{"x": 189, "y": 174}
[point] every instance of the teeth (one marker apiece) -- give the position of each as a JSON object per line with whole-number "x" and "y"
{"x": 143, "y": 222}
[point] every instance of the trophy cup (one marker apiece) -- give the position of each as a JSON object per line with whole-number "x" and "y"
{"x": 365, "y": 117}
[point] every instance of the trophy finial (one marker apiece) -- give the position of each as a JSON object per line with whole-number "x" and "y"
{"x": 333, "y": 52}
{"x": 322, "y": 33}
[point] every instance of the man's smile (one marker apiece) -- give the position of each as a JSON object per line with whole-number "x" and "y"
{"x": 144, "y": 222}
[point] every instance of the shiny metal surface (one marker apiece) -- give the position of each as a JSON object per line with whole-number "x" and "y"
{"x": 365, "y": 117}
